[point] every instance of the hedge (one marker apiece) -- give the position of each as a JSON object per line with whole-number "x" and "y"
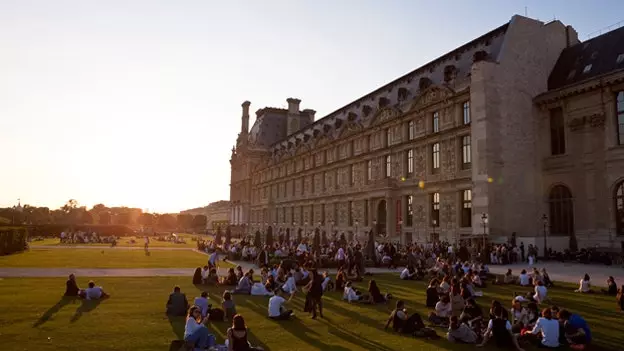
{"x": 54, "y": 230}
{"x": 13, "y": 240}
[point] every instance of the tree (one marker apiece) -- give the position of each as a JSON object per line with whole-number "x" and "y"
{"x": 104, "y": 218}
{"x": 269, "y": 236}
{"x": 166, "y": 222}
{"x": 218, "y": 236}
{"x": 228, "y": 235}
{"x": 123, "y": 218}
{"x": 258, "y": 239}
{"x": 146, "y": 219}
{"x": 200, "y": 222}
{"x": 85, "y": 216}
{"x": 184, "y": 221}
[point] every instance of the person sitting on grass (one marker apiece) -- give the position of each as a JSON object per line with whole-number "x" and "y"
{"x": 197, "y": 277}
{"x": 71, "y": 287}
{"x": 228, "y": 305}
{"x": 212, "y": 278}
{"x": 402, "y": 322}
{"x": 374, "y": 294}
{"x": 352, "y": 295}
{"x": 548, "y": 328}
{"x": 611, "y": 287}
{"x": 202, "y": 303}
{"x": 409, "y": 273}
{"x": 524, "y": 279}
{"x": 460, "y": 332}
{"x": 340, "y": 280}
{"x": 239, "y": 273}
{"x": 577, "y": 332}
{"x": 276, "y": 306}
{"x": 205, "y": 274}
{"x": 445, "y": 286}
{"x": 509, "y": 278}
{"x": 620, "y": 298}
{"x": 270, "y": 284}
{"x": 196, "y": 333}
{"x": 237, "y": 336}
{"x": 290, "y": 286}
{"x": 472, "y": 312}
{"x": 327, "y": 284}
{"x": 177, "y": 304}
{"x": 442, "y": 313}
{"x": 546, "y": 279}
{"x": 519, "y": 316}
{"x": 95, "y": 292}
{"x": 584, "y": 285}
{"x": 499, "y": 328}
{"x": 432, "y": 293}
{"x": 244, "y": 285}
{"x": 230, "y": 279}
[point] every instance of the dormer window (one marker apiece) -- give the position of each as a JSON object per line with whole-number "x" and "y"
{"x": 383, "y": 102}
{"x": 479, "y": 56}
{"x": 587, "y": 68}
{"x": 402, "y": 94}
{"x": 424, "y": 83}
{"x": 571, "y": 74}
{"x": 449, "y": 73}
{"x": 620, "y": 59}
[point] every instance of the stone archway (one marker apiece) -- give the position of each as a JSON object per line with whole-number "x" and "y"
{"x": 382, "y": 211}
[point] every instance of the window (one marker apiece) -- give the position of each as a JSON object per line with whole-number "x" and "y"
{"x": 466, "y": 156}
{"x": 466, "y": 109}
{"x": 388, "y": 166}
{"x": 435, "y": 209}
{"x": 369, "y": 170}
{"x": 435, "y": 157}
{"x": 557, "y": 132}
{"x": 619, "y": 208}
{"x": 620, "y": 117}
{"x": 411, "y": 130}
{"x": 370, "y": 142}
{"x": 352, "y": 175}
{"x": 410, "y": 212}
{"x": 409, "y": 155}
{"x": 388, "y": 137}
{"x": 324, "y": 181}
{"x": 435, "y": 120}
{"x": 350, "y": 213}
{"x": 466, "y": 211}
{"x": 587, "y": 68}
{"x": 561, "y": 211}
{"x": 620, "y": 59}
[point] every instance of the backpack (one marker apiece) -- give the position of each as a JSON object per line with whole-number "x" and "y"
{"x": 216, "y": 314}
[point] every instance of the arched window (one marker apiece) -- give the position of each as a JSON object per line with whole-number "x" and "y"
{"x": 618, "y": 197}
{"x": 561, "y": 211}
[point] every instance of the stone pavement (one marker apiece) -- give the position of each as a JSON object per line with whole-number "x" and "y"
{"x": 101, "y": 247}
{"x": 569, "y": 272}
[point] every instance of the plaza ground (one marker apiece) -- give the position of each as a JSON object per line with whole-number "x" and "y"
{"x": 127, "y": 242}
{"x": 35, "y": 317}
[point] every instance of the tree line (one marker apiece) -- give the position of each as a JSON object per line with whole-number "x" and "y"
{"x": 73, "y": 214}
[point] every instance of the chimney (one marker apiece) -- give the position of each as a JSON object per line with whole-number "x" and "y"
{"x": 310, "y": 114}
{"x": 571, "y": 36}
{"x": 293, "y": 105}
{"x": 245, "y": 117}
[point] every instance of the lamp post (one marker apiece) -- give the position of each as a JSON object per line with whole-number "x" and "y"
{"x": 400, "y": 229}
{"x": 434, "y": 224}
{"x": 375, "y": 226}
{"x": 484, "y": 222}
{"x": 357, "y": 224}
{"x": 305, "y": 228}
{"x": 545, "y": 223}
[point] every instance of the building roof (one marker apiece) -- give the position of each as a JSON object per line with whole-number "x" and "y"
{"x": 589, "y": 59}
{"x": 460, "y": 58}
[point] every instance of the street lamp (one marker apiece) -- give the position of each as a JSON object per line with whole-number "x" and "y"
{"x": 484, "y": 221}
{"x": 357, "y": 224}
{"x": 434, "y": 224}
{"x": 545, "y": 222}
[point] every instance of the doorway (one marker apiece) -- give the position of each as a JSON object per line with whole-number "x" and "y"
{"x": 381, "y": 217}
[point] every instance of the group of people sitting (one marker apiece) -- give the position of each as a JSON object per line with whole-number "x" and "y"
{"x": 93, "y": 292}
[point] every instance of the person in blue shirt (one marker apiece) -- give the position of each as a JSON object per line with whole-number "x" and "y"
{"x": 576, "y": 329}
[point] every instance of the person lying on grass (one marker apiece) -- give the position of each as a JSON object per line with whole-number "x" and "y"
{"x": 95, "y": 292}
{"x": 460, "y": 332}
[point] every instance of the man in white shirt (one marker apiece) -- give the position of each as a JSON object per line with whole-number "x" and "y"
{"x": 202, "y": 302}
{"x": 406, "y": 275}
{"x": 524, "y": 278}
{"x": 94, "y": 292}
{"x": 540, "y": 292}
{"x": 212, "y": 260}
{"x": 549, "y": 329}
{"x": 276, "y": 307}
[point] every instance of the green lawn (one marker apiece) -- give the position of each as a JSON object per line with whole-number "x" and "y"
{"x": 35, "y": 318}
{"x": 125, "y": 241}
{"x": 105, "y": 258}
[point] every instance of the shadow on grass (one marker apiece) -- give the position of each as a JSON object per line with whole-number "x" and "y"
{"x": 64, "y": 301}
{"x": 86, "y": 307}
{"x": 177, "y": 325}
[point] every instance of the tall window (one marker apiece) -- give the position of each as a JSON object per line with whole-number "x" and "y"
{"x": 370, "y": 142}
{"x": 352, "y": 175}
{"x": 369, "y": 170}
{"x": 323, "y": 213}
{"x": 409, "y": 158}
{"x": 435, "y": 209}
{"x": 324, "y": 181}
{"x": 466, "y": 114}
{"x": 466, "y": 211}
{"x": 435, "y": 157}
{"x": 619, "y": 208}
{"x": 350, "y": 213}
{"x": 411, "y": 130}
{"x": 557, "y": 132}
{"x": 620, "y": 114}
{"x": 466, "y": 152}
{"x": 410, "y": 211}
{"x": 561, "y": 211}
{"x": 436, "y": 122}
{"x": 388, "y": 137}
{"x": 388, "y": 166}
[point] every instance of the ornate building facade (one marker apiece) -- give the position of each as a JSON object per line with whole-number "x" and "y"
{"x": 452, "y": 150}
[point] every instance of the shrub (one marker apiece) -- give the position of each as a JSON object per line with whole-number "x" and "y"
{"x": 13, "y": 240}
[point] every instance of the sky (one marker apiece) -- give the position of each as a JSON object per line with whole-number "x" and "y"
{"x": 137, "y": 102}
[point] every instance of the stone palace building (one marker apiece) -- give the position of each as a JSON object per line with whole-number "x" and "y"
{"x": 516, "y": 133}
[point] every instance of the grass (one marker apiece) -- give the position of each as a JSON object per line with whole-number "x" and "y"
{"x": 35, "y": 317}
{"x": 125, "y": 242}
{"x": 105, "y": 258}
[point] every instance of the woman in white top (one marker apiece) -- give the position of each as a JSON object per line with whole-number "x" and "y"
{"x": 290, "y": 286}
{"x": 540, "y": 292}
{"x": 584, "y": 285}
{"x": 350, "y": 294}
{"x": 524, "y": 278}
{"x": 195, "y": 331}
